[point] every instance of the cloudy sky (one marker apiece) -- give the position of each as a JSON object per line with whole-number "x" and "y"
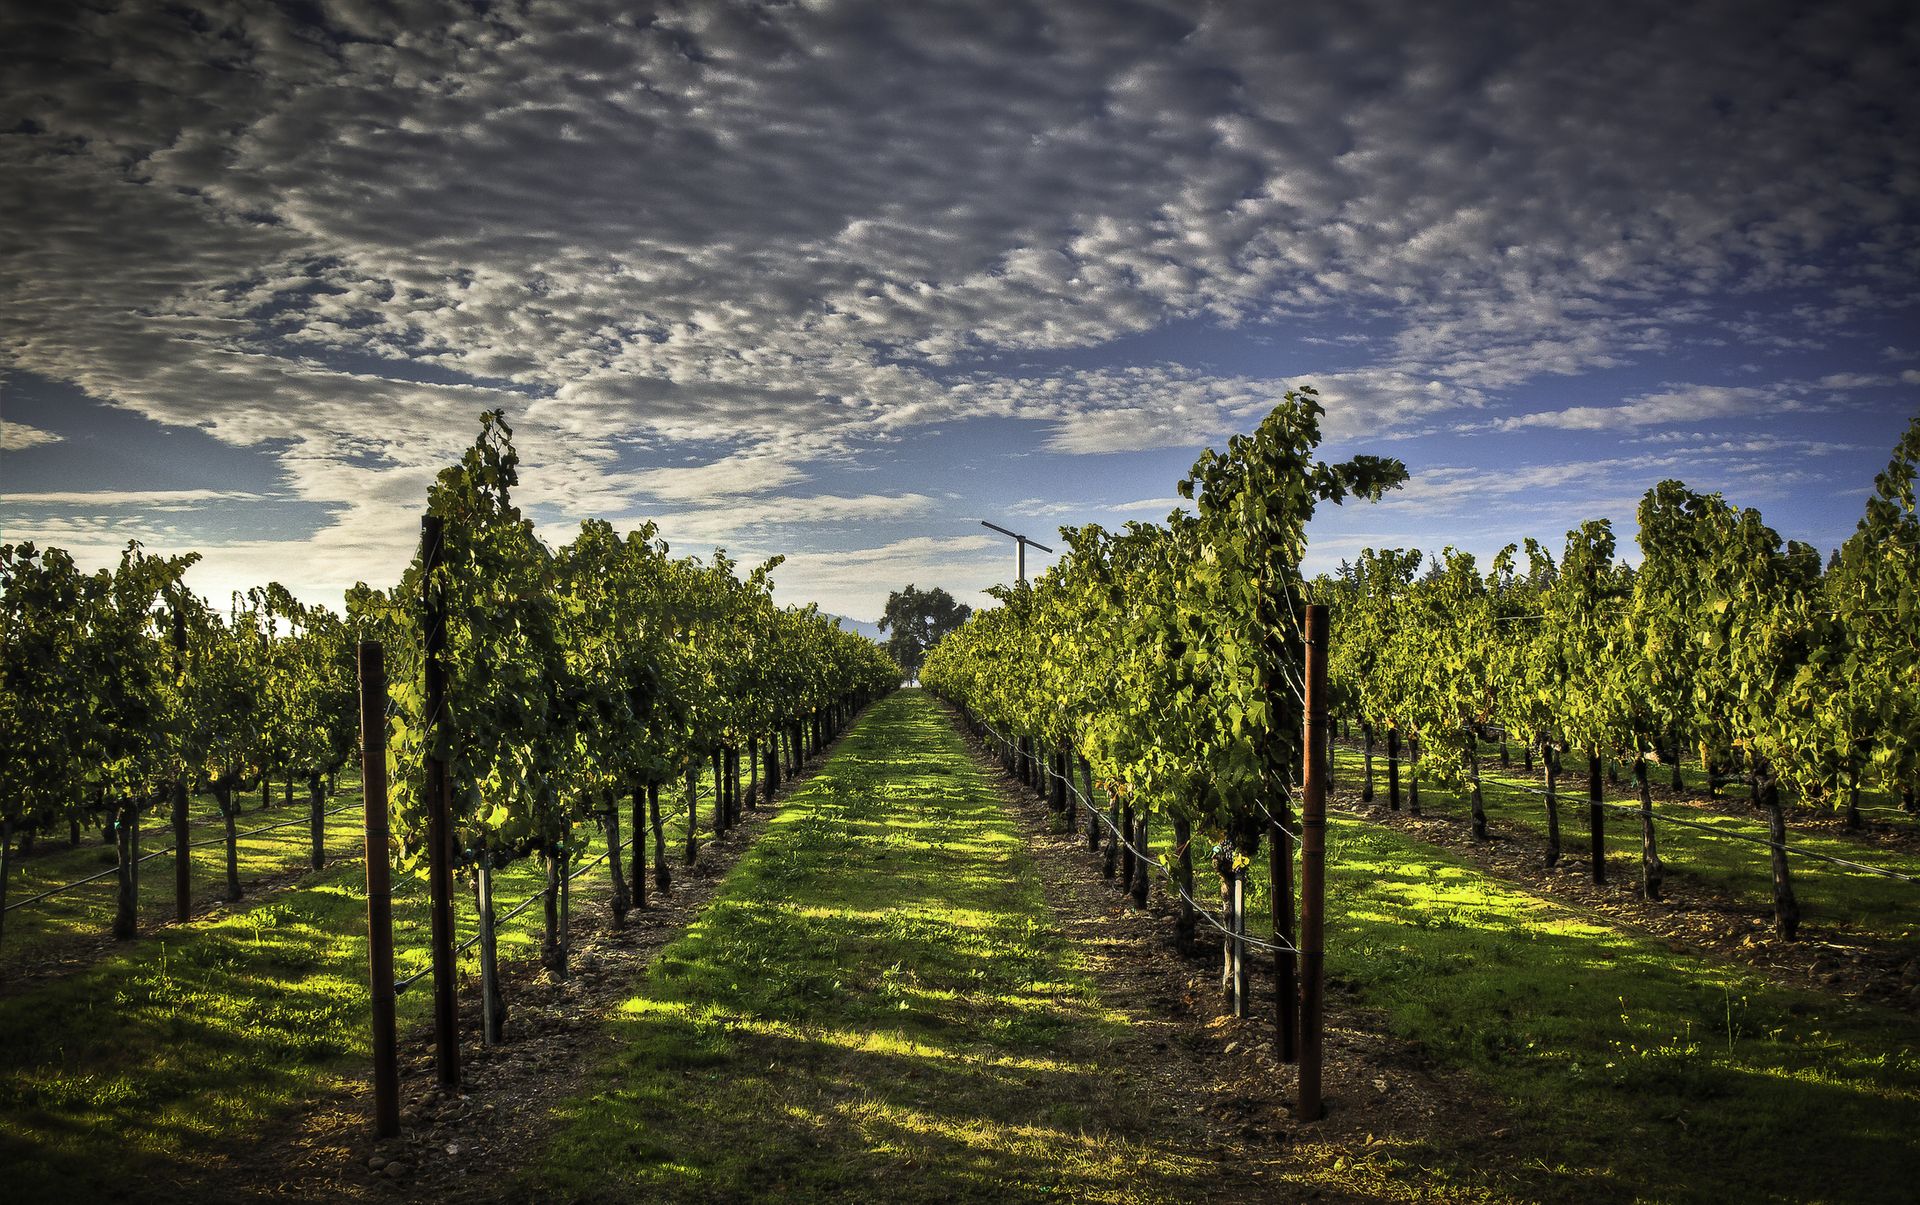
{"x": 841, "y": 279}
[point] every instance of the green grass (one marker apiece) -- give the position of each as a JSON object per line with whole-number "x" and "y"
{"x": 1875, "y": 909}
{"x": 877, "y": 1005}
{"x": 172, "y": 1049}
{"x": 88, "y": 910}
{"x": 1635, "y": 1070}
{"x": 1640, "y": 1072}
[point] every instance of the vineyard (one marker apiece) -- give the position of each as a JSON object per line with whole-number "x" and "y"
{"x": 592, "y": 870}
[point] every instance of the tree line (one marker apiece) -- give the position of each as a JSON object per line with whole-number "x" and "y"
{"x": 579, "y": 677}
{"x": 1725, "y": 644}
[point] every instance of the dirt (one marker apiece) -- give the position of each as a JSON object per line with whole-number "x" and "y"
{"x": 460, "y": 1146}
{"x": 1217, "y": 1074}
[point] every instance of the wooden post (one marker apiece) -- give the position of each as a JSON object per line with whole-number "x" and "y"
{"x": 753, "y": 772}
{"x": 1393, "y": 767}
{"x": 1313, "y": 870}
{"x": 127, "y": 911}
{"x": 1551, "y": 764}
{"x": 6, "y": 866}
{"x": 439, "y": 789}
{"x": 1286, "y": 992}
{"x": 316, "y": 820}
{"x": 1366, "y": 783}
{"x": 640, "y": 829}
{"x": 1242, "y": 997}
{"x": 182, "y": 860}
{"x": 693, "y": 813}
{"x": 662, "y": 874}
{"x": 493, "y": 1011}
{"x": 373, "y": 778}
{"x": 1597, "y": 816}
{"x": 615, "y": 859}
{"x": 1093, "y": 813}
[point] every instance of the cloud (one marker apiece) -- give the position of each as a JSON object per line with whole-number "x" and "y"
{"x": 754, "y": 524}
{"x": 1685, "y": 404}
{"x": 83, "y": 498}
{"x": 17, "y": 437}
{"x": 1174, "y": 406}
{"x": 705, "y": 251}
{"x": 859, "y": 579}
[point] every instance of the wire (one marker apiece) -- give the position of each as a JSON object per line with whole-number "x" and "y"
{"x": 1717, "y": 831}
{"x": 161, "y": 853}
{"x": 1255, "y": 942}
{"x": 221, "y": 840}
{"x": 401, "y": 985}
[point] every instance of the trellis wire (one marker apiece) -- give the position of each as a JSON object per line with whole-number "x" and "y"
{"x": 1715, "y": 830}
{"x": 161, "y": 853}
{"x": 1150, "y": 860}
{"x": 401, "y": 985}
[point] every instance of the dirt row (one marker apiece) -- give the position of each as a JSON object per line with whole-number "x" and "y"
{"x": 1218, "y": 1074}
{"x": 461, "y": 1147}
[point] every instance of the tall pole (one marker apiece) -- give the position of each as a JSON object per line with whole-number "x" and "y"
{"x": 1022, "y": 542}
{"x": 182, "y": 861}
{"x": 1313, "y": 868}
{"x": 439, "y": 788}
{"x": 373, "y": 778}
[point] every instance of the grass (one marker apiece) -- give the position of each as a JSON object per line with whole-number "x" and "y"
{"x": 1636, "y": 1070}
{"x": 148, "y": 1065}
{"x": 878, "y": 1003}
{"x": 1881, "y": 910}
{"x": 88, "y": 910}
{"x": 1639, "y": 1071}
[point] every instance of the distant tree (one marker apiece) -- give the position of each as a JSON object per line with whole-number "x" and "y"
{"x": 917, "y": 619}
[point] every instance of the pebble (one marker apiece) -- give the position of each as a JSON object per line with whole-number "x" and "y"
{"x": 376, "y": 1163}
{"x": 397, "y": 1169}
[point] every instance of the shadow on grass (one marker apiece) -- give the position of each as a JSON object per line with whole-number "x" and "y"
{"x": 1685, "y": 1079}
{"x": 878, "y": 1003}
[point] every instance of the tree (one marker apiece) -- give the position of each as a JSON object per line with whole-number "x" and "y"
{"x": 917, "y": 620}
{"x": 44, "y": 694}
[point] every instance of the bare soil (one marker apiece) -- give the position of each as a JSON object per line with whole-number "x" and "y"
{"x": 1386, "y": 1103}
{"x": 459, "y": 1146}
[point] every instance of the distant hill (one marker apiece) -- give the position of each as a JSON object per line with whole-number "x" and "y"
{"x": 870, "y": 630}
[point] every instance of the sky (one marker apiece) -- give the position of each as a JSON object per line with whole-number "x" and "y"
{"x": 840, "y": 280}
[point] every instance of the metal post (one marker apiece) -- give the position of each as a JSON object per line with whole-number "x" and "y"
{"x": 373, "y": 778}
{"x": 1021, "y": 542}
{"x": 439, "y": 788}
{"x": 1313, "y": 869}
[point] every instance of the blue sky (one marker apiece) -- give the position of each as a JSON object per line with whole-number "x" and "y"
{"x": 838, "y": 280}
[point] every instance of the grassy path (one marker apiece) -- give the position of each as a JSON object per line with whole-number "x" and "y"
{"x": 86, "y": 912}
{"x": 879, "y": 1004}
{"x": 1880, "y": 911}
{"x": 152, "y": 1064}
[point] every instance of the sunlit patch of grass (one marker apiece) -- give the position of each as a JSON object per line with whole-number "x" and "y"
{"x": 1879, "y": 909}
{"x": 145, "y": 1066}
{"x": 1682, "y": 1078}
{"x": 879, "y": 993}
